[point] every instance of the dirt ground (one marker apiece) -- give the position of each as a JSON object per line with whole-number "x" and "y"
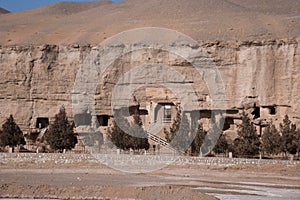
{"x": 87, "y": 180}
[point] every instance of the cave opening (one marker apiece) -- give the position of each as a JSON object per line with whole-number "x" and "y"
{"x": 42, "y": 122}
{"x": 256, "y": 112}
{"x": 103, "y": 120}
{"x": 272, "y": 110}
{"x": 228, "y": 122}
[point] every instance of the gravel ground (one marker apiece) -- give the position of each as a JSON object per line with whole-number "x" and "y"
{"x": 90, "y": 180}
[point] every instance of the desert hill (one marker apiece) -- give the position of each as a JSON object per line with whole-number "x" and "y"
{"x": 3, "y": 11}
{"x": 65, "y": 23}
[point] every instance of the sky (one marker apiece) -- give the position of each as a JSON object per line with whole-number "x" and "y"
{"x": 20, "y": 5}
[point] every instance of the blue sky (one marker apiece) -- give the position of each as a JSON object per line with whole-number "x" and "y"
{"x": 20, "y": 5}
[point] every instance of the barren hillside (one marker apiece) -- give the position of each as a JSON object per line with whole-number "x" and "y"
{"x": 3, "y": 11}
{"x": 66, "y": 23}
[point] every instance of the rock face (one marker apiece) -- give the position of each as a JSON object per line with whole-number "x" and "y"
{"x": 37, "y": 80}
{"x": 253, "y": 45}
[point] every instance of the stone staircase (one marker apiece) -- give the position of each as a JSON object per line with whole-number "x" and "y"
{"x": 39, "y": 140}
{"x": 154, "y": 128}
{"x": 41, "y": 134}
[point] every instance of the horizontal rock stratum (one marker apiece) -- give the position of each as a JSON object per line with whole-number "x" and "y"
{"x": 253, "y": 44}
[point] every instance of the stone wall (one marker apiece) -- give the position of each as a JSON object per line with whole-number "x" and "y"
{"x": 122, "y": 159}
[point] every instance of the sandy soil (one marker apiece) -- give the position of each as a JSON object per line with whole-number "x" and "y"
{"x": 91, "y": 180}
{"x": 212, "y": 20}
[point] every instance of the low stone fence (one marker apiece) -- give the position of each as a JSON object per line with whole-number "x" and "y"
{"x": 6, "y": 158}
{"x": 58, "y": 158}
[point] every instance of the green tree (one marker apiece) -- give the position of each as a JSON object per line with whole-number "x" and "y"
{"x": 184, "y": 136}
{"x": 247, "y": 143}
{"x": 61, "y": 135}
{"x": 169, "y": 135}
{"x": 298, "y": 142}
{"x": 271, "y": 140}
{"x": 11, "y": 134}
{"x": 118, "y": 137}
{"x": 198, "y": 140}
{"x": 118, "y": 134}
{"x": 289, "y": 136}
{"x": 212, "y": 137}
{"x": 180, "y": 135}
{"x": 140, "y": 137}
{"x": 221, "y": 145}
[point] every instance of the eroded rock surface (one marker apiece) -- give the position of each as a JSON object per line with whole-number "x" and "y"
{"x": 37, "y": 80}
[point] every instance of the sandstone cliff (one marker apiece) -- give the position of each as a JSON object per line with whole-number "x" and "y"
{"x": 37, "y": 80}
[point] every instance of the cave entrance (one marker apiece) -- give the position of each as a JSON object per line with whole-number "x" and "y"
{"x": 103, "y": 120}
{"x": 256, "y": 112}
{"x": 164, "y": 112}
{"x": 42, "y": 122}
{"x": 272, "y": 110}
{"x": 228, "y": 122}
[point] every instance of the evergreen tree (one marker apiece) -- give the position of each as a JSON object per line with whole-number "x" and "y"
{"x": 118, "y": 137}
{"x": 61, "y": 135}
{"x": 184, "y": 136}
{"x": 198, "y": 140}
{"x": 169, "y": 135}
{"x": 247, "y": 143}
{"x": 271, "y": 140}
{"x": 212, "y": 138}
{"x": 137, "y": 139}
{"x": 180, "y": 135}
{"x": 11, "y": 134}
{"x": 298, "y": 142}
{"x": 221, "y": 145}
{"x": 140, "y": 137}
{"x": 289, "y": 136}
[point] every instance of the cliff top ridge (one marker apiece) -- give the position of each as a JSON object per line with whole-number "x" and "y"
{"x": 3, "y": 11}
{"x": 203, "y": 20}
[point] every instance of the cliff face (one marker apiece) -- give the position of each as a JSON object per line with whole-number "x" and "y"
{"x": 35, "y": 81}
